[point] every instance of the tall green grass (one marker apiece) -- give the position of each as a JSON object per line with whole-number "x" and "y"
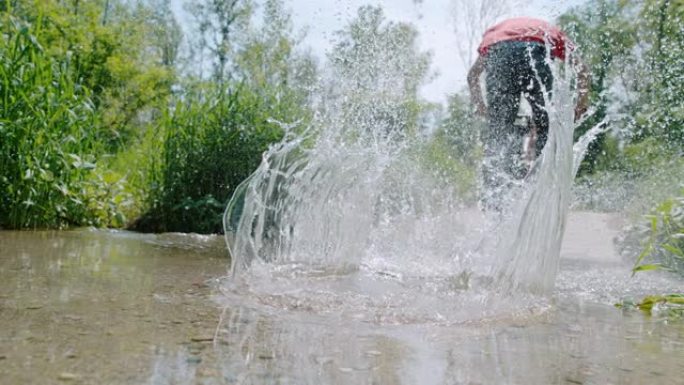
{"x": 212, "y": 141}
{"x": 47, "y": 144}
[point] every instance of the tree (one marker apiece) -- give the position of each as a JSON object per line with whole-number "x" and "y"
{"x": 166, "y": 34}
{"x": 660, "y": 111}
{"x": 381, "y": 69}
{"x": 471, "y": 19}
{"x": 271, "y": 62}
{"x": 635, "y": 67}
{"x": 217, "y": 131}
{"x": 218, "y": 24}
{"x": 605, "y": 37}
{"x": 110, "y": 46}
{"x": 460, "y": 129}
{"x": 82, "y": 80}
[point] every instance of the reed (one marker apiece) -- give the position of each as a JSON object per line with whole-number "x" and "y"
{"x": 47, "y": 143}
{"x": 213, "y": 139}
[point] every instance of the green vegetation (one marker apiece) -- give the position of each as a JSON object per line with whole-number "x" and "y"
{"x": 78, "y": 87}
{"x": 47, "y": 146}
{"x": 671, "y": 306}
{"x": 635, "y": 51}
{"x": 214, "y": 136}
{"x": 453, "y": 152}
{"x": 383, "y": 68}
{"x": 103, "y": 123}
{"x": 111, "y": 115}
{"x": 664, "y": 247}
{"x": 214, "y": 145}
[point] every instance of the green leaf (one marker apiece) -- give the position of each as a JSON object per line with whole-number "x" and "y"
{"x": 47, "y": 175}
{"x": 654, "y": 223}
{"x": 653, "y": 266}
{"x": 673, "y": 249}
{"x": 644, "y": 253}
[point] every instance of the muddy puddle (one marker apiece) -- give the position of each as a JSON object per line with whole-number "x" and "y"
{"x": 109, "y": 307}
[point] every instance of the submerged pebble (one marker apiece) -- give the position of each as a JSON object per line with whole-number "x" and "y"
{"x": 66, "y": 376}
{"x": 194, "y": 360}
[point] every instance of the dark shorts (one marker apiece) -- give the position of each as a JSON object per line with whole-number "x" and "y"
{"x": 513, "y": 69}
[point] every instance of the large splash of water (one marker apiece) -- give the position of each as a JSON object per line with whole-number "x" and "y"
{"x": 356, "y": 200}
{"x": 528, "y": 248}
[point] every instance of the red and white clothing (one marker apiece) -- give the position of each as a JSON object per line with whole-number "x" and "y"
{"x": 527, "y": 29}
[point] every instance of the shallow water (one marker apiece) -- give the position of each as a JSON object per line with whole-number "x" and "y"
{"x": 101, "y": 307}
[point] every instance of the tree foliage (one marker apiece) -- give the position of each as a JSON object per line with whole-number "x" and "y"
{"x": 378, "y": 68}
{"x": 94, "y": 89}
{"x": 218, "y": 25}
{"x": 605, "y": 37}
{"x": 635, "y": 67}
{"x": 636, "y": 52}
{"x": 106, "y": 114}
{"x": 79, "y": 80}
{"x": 216, "y": 132}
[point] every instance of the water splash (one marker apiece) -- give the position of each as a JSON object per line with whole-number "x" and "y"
{"x": 348, "y": 217}
{"x": 528, "y": 251}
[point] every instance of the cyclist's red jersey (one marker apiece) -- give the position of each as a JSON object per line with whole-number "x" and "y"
{"x": 527, "y": 29}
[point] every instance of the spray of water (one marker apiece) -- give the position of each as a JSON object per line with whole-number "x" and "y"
{"x": 341, "y": 201}
{"x": 528, "y": 250}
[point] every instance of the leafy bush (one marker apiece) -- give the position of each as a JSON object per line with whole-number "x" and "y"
{"x": 79, "y": 84}
{"x": 211, "y": 143}
{"x": 633, "y": 179}
{"x": 441, "y": 157}
{"x": 664, "y": 247}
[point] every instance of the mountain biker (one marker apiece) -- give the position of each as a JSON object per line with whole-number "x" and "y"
{"x": 513, "y": 54}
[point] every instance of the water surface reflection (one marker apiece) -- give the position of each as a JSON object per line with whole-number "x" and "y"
{"x": 580, "y": 343}
{"x": 101, "y": 307}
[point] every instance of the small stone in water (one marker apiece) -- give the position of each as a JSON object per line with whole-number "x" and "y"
{"x": 194, "y": 360}
{"x": 202, "y": 339}
{"x": 207, "y": 372}
{"x": 65, "y": 376}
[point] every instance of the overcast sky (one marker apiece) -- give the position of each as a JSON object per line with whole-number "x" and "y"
{"x": 433, "y": 18}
